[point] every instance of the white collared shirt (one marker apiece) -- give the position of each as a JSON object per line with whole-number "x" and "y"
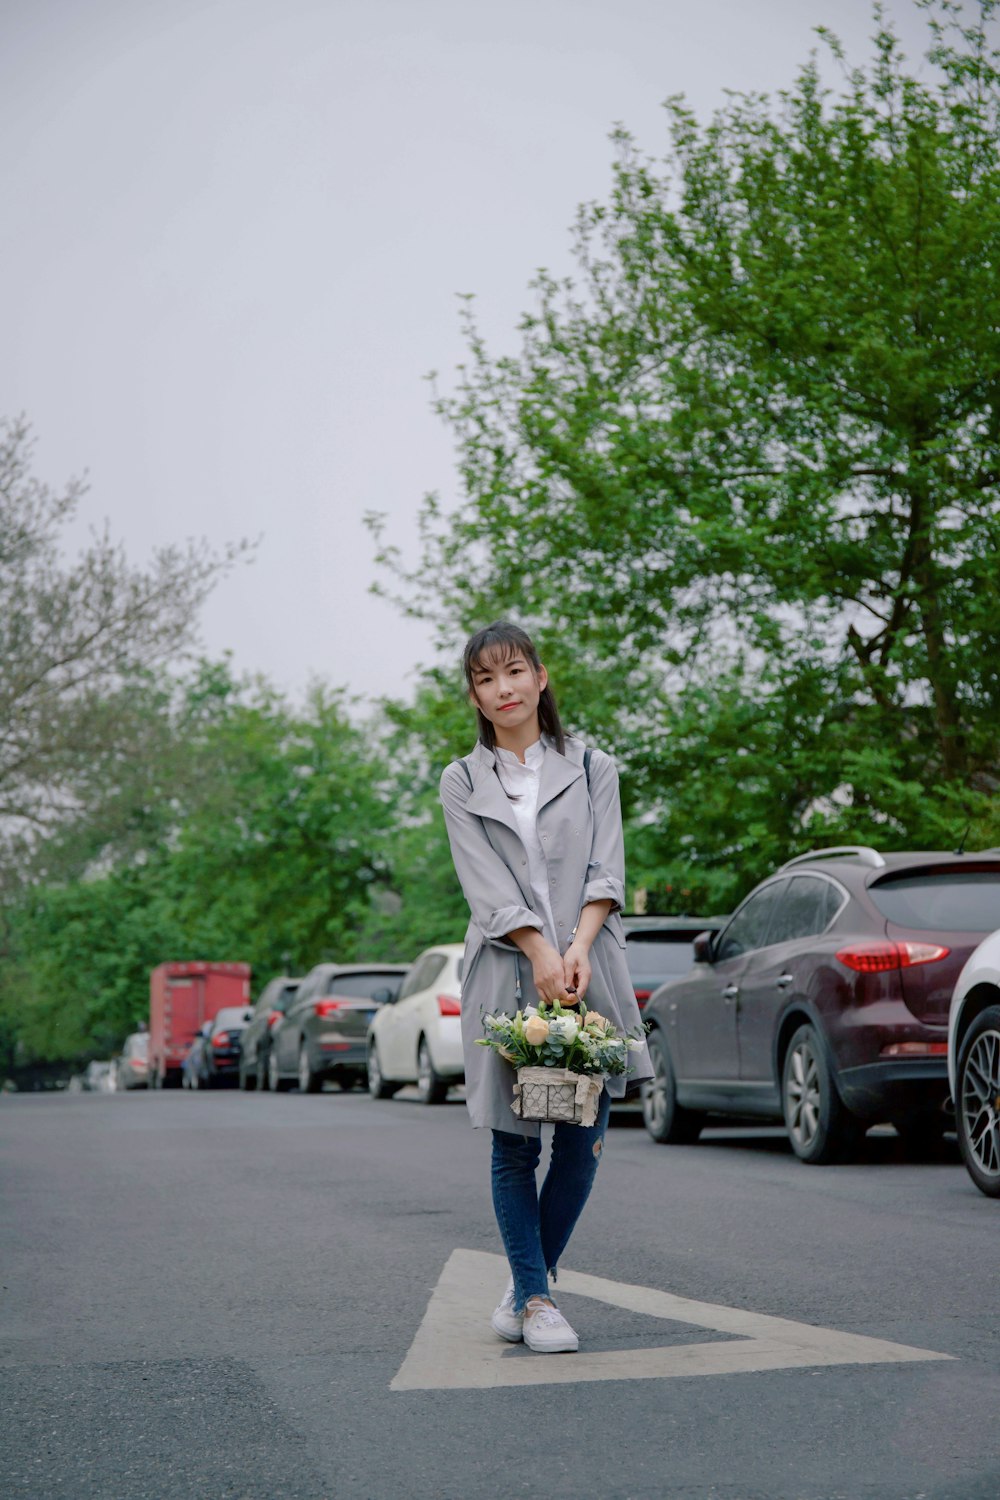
{"x": 521, "y": 783}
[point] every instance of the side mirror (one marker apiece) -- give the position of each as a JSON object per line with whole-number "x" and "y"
{"x": 703, "y": 948}
{"x": 382, "y": 997}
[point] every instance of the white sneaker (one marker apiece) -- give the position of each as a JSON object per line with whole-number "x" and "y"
{"x": 546, "y": 1331}
{"x": 505, "y": 1321}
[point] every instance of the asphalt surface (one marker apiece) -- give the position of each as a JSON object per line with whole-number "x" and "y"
{"x": 208, "y": 1296}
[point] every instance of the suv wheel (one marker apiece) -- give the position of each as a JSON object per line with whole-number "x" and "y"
{"x": 431, "y": 1087}
{"x": 309, "y": 1081}
{"x": 378, "y": 1087}
{"x": 667, "y": 1121}
{"x": 819, "y": 1127}
{"x": 277, "y": 1084}
{"x": 977, "y": 1108}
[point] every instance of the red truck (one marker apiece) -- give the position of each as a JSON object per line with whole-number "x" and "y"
{"x": 182, "y": 997}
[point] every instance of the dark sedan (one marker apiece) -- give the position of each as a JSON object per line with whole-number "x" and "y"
{"x": 824, "y": 1000}
{"x": 269, "y": 1009}
{"x": 213, "y": 1058}
{"x": 324, "y": 1033}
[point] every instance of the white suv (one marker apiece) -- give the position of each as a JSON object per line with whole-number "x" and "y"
{"x": 974, "y": 1064}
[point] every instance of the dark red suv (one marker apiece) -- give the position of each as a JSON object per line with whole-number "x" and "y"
{"x": 824, "y": 1000}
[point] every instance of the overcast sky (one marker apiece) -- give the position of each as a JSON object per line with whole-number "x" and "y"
{"x": 232, "y": 236}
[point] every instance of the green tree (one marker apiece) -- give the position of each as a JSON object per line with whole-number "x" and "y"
{"x": 253, "y": 831}
{"x": 742, "y": 477}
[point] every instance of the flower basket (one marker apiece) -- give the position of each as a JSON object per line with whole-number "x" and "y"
{"x": 557, "y": 1096}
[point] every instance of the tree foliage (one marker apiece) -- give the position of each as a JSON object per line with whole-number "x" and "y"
{"x": 255, "y": 831}
{"x": 743, "y": 476}
{"x": 77, "y": 641}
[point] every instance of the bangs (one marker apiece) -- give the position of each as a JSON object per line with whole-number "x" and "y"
{"x": 496, "y": 645}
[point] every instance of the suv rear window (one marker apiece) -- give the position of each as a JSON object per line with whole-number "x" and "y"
{"x": 959, "y": 900}
{"x": 363, "y": 986}
{"x": 654, "y": 957}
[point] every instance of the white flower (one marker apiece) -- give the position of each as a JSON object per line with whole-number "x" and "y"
{"x": 564, "y": 1026}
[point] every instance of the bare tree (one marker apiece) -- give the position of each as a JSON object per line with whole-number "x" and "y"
{"x": 73, "y": 636}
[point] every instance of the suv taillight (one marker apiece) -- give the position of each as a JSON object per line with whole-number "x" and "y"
{"x": 641, "y": 997}
{"x": 448, "y": 1005}
{"x": 222, "y": 1040}
{"x": 878, "y": 958}
{"x": 327, "y": 1007}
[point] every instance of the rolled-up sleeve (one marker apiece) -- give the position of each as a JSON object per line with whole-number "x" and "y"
{"x": 606, "y": 870}
{"x": 494, "y": 896}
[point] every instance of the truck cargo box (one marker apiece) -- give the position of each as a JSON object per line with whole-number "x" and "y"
{"x": 182, "y": 996}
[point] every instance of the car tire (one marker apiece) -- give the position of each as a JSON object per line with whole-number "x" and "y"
{"x": 310, "y": 1082}
{"x": 263, "y": 1081}
{"x": 379, "y": 1087}
{"x": 248, "y": 1080}
{"x": 820, "y": 1128}
{"x": 977, "y": 1117}
{"x": 667, "y": 1122}
{"x": 277, "y": 1084}
{"x": 431, "y": 1087}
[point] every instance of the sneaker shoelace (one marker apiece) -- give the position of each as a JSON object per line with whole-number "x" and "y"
{"x": 547, "y": 1317}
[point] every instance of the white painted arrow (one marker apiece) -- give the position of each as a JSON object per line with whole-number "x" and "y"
{"x": 456, "y": 1349}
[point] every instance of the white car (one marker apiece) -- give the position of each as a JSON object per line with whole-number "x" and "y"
{"x": 974, "y": 1063}
{"x": 418, "y": 1039}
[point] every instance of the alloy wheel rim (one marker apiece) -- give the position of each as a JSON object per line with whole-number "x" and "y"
{"x": 272, "y": 1071}
{"x": 655, "y": 1099}
{"x": 303, "y": 1070}
{"x": 802, "y": 1092}
{"x": 423, "y": 1067}
{"x": 981, "y": 1102}
{"x": 374, "y": 1073}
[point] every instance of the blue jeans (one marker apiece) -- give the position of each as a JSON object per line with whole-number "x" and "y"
{"x": 535, "y": 1227}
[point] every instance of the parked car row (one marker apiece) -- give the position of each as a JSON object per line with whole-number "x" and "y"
{"x": 823, "y": 1001}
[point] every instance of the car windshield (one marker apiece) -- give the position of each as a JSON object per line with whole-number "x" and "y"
{"x": 656, "y": 956}
{"x": 364, "y": 986}
{"x": 947, "y": 900}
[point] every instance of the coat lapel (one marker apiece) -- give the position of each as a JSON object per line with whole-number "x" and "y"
{"x": 488, "y": 799}
{"x": 558, "y": 772}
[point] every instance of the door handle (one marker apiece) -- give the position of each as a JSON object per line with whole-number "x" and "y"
{"x": 730, "y": 992}
{"x": 784, "y": 980}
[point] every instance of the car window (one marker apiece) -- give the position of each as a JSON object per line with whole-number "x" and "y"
{"x": 310, "y": 986}
{"x": 363, "y": 986}
{"x": 411, "y": 980}
{"x": 654, "y": 957}
{"x": 749, "y": 928}
{"x": 807, "y": 906}
{"x": 959, "y": 900}
{"x": 423, "y": 974}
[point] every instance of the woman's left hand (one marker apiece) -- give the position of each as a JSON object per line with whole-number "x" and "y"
{"x": 576, "y": 966}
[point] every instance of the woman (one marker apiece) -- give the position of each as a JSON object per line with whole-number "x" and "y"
{"x": 535, "y": 827}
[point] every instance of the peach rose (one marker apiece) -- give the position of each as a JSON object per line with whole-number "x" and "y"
{"x": 535, "y": 1031}
{"x": 597, "y": 1023}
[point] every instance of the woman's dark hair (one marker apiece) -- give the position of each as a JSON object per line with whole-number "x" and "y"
{"x": 498, "y": 643}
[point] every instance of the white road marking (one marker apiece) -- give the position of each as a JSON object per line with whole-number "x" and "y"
{"x": 455, "y": 1348}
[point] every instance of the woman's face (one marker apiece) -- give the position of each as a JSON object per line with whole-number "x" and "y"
{"x": 506, "y": 690}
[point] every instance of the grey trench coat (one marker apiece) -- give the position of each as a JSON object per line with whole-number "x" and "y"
{"x": 581, "y": 834}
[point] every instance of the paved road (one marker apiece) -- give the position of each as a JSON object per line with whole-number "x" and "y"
{"x": 210, "y": 1295}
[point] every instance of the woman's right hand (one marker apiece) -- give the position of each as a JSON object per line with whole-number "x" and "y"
{"x": 549, "y": 974}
